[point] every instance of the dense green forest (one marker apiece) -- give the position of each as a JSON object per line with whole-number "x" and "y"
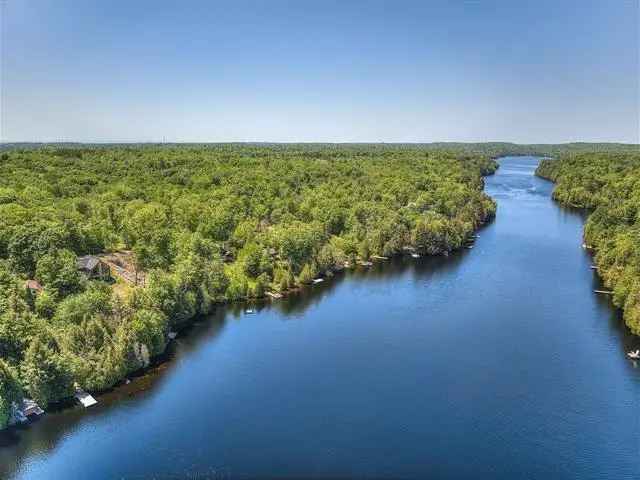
{"x": 203, "y": 225}
{"x": 609, "y": 185}
{"x": 492, "y": 149}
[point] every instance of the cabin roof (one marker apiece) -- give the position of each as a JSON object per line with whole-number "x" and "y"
{"x": 87, "y": 262}
{"x": 33, "y": 285}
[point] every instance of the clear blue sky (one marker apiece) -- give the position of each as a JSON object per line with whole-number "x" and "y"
{"x": 336, "y": 71}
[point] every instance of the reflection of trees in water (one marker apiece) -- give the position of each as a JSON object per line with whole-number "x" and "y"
{"x": 298, "y": 302}
{"x": 43, "y": 435}
{"x": 617, "y": 327}
{"x": 425, "y": 267}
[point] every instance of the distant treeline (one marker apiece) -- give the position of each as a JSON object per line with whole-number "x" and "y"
{"x": 609, "y": 184}
{"x": 206, "y": 224}
{"x": 492, "y": 149}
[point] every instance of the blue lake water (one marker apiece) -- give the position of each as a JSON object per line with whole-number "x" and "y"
{"x": 498, "y": 362}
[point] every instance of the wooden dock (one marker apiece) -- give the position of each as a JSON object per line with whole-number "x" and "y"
{"x": 85, "y": 399}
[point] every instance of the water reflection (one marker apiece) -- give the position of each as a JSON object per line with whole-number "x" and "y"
{"x": 43, "y": 435}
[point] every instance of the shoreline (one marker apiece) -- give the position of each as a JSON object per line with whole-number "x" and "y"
{"x": 164, "y": 359}
{"x": 585, "y": 213}
{"x": 354, "y": 264}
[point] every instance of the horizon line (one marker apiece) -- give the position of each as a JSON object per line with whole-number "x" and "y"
{"x": 319, "y": 142}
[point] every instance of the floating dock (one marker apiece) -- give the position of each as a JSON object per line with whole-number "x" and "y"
{"x": 85, "y": 399}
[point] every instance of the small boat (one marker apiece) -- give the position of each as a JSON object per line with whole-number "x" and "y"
{"x": 318, "y": 280}
{"x": 634, "y": 355}
{"x": 415, "y": 255}
{"x": 249, "y": 311}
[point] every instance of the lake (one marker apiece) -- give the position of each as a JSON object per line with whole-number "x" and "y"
{"x": 498, "y": 362}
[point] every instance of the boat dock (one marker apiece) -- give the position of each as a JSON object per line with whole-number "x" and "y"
{"x": 85, "y": 399}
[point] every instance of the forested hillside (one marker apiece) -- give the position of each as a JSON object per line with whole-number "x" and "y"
{"x": 201, "y": 225}
{"x": 608, "y": 183}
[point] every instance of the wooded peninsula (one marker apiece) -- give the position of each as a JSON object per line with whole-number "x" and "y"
{"x": 104, "y": 252}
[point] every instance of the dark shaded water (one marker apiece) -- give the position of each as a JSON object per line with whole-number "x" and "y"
{"x": 498, "y": 362}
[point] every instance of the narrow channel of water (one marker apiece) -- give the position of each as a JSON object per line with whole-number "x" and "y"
{"x": 498, "y": 362}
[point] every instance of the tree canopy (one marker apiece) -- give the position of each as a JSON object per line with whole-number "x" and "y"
{"x": 204, "y": 225}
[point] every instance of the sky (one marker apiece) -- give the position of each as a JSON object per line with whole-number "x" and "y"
{"x": 320, "y": 71}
